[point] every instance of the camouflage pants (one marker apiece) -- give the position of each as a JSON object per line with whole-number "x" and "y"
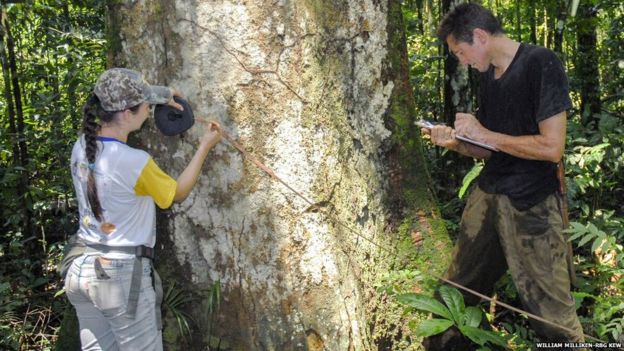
{"x": 495, "y": 236}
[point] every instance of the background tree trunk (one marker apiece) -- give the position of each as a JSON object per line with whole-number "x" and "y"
{"x": 532, "y": 19}
{"x": 457, "y": 82}
{"x": 319, "y": 92}
{"x": 562, "y": 13}
{"x": 457, "y": 98}
{"x": 587, "y": 63}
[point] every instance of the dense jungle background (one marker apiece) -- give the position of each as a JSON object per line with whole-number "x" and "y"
{"x": 52, "y": 51}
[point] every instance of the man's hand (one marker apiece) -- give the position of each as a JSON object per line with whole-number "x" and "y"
{"x": 442, "y": 135}
{"x": 467, "y": 125}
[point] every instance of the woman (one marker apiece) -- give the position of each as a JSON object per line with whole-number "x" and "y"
{"x": 110, "y": 281}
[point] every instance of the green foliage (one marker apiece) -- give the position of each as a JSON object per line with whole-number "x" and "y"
{"x": 179, "y": 308}
{"x": 433, "y": 326}
{"x": 600, "y": 241}
{"x": 608, "y": 318}
{"x": 59, "y": 49}
{"x": 396, "y": 282}
{"x": 469, "y": 178}
{"x": 210, "y": 308}
{"x": 453, "y": 313}
{"x": 426, "y": 61}
{"x": 425, "y": 303}
{"x": 454, "y": 301}
{"x": 595, "y": 167}
{"x": 519, "y": 335}
{"x": 174, "y": 300}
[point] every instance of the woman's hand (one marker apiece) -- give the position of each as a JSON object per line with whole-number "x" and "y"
{"x": 188, "y": 178}
{"x": 212, "y": 133}
{"x": 172, "y": 102}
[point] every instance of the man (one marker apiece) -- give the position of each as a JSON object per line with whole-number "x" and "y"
{"x": 512, "y": 218}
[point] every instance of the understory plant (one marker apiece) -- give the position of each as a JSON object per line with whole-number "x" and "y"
{"x": 452, "y": 313}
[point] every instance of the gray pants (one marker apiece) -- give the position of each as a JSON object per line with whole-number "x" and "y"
{"x": 101, "y": 304}
{"x": 495, "y": 236}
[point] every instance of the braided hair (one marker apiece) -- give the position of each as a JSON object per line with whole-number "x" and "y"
{"x": 92, "y": 111}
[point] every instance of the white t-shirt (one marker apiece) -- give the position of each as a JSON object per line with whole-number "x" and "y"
{"x": 128, "y": 184}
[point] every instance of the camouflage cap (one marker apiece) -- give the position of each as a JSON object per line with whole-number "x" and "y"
{"x": 121, "y": 88}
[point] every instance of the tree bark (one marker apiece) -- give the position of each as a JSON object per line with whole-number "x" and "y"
{"x": 457, "y": 98}
{"x": 587, "y": 63}
{"x": 562, "y": 13}
{"x": 319, "y": 92}
{"x": 456, "y": 87}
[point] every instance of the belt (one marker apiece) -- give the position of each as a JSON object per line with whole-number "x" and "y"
{"x": 137, "y": 251}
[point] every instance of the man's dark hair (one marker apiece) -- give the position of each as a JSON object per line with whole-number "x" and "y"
{"x": 464, "y": 18}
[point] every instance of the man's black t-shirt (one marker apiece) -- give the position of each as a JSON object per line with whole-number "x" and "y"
{"x": 533, "y": 88}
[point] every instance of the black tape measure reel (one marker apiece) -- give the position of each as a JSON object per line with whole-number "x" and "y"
{"x": 171, "y": 121}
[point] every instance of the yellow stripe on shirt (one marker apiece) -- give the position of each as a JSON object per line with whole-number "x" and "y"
{"x": 157, "y": 184}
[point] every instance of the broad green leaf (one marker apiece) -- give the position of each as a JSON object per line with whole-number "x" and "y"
{"x": 481, "y": 336}
{"x": 577, "y": 230}
{"x": 575, "y": 236}
{"x": 586, "y": 239}
{"x": 433, "y": 327}
{"x": 470, "y": 176}
{"x": 578, "y": 227}
{"x": 599, "y": 242}
{"x": 425, "y": 303}
{"x": 593, "y": 229}
{"x": 473, "y": 316}
{"x": 454, "y": 301}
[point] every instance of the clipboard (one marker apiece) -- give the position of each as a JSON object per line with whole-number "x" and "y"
{"x": 428, "y": 125}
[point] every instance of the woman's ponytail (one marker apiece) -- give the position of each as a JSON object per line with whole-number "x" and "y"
{"x": 90, "y": 129}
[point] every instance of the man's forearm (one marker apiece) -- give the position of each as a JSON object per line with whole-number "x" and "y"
{"x": 547, "y": 145}
{"x": 529, "y": 147}
{"x": 472, "y": 151}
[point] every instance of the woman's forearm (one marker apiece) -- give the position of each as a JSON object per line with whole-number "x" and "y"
{"x": 188, "y": 178}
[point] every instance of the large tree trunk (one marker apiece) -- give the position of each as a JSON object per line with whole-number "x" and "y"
{"x": 318, "y": 91}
